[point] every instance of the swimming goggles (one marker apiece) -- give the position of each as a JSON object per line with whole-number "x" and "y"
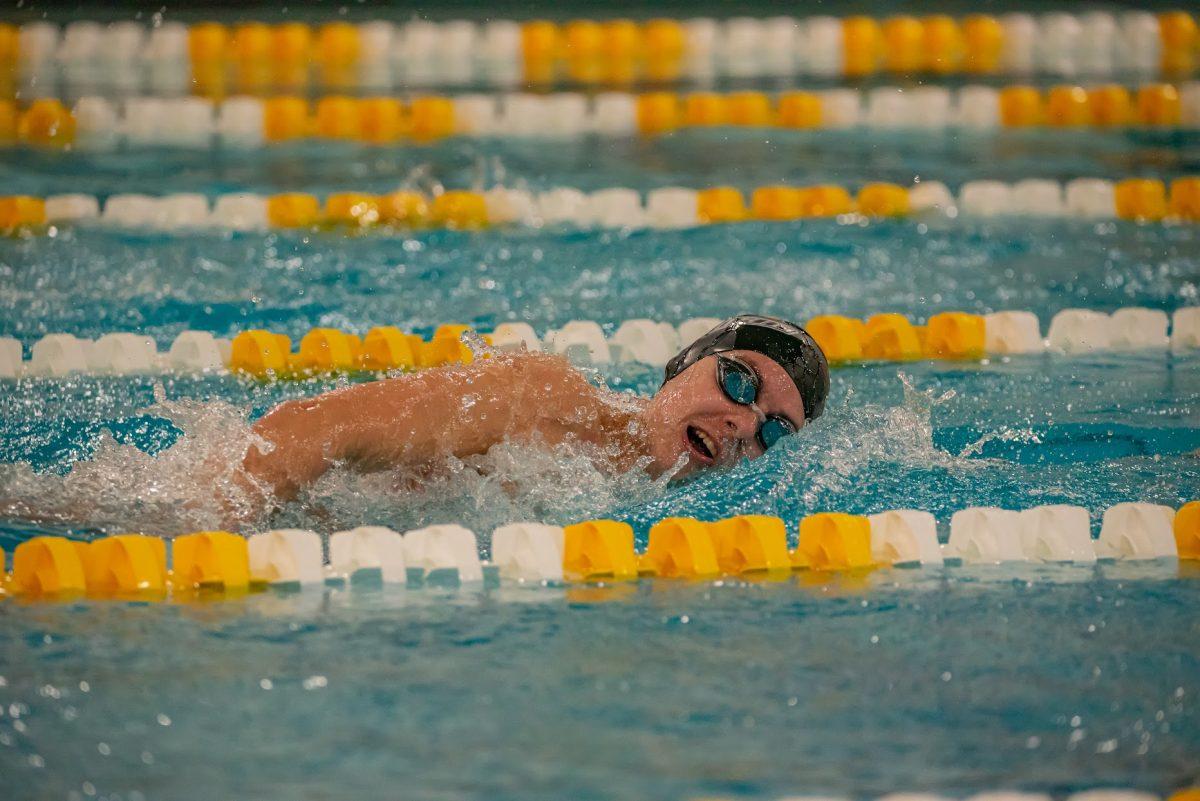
{"x": 741, "y": 384}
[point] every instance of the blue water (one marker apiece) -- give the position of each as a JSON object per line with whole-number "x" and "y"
{"x": 954, "y": 680}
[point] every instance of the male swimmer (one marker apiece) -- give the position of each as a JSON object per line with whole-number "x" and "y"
{"x": 732, "y": 393}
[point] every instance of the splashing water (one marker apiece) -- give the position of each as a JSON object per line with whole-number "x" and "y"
{"x": 192, "y": 484}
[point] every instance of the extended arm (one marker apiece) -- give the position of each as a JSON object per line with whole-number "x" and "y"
{"x": 411, "y": 420}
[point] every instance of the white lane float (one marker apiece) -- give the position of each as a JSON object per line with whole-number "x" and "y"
{"x": 286, "y": 556}
{"x": 985, "y": 534}
{"x": 369, "y": 548}
{"x": 905, "y": 536}
{"x": 1137, "y": 531}
{"x": 1056, "y": 533}
{"x": 528, "y": 552}
{"x": 444, "y": 548}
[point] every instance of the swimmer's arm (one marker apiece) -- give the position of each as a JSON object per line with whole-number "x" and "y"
{"x": 411, "y": 421}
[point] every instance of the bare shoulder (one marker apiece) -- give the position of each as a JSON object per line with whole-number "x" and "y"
{"x": 545, "y": 381}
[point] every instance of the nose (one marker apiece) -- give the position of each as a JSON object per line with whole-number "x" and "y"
{"x": 741, "y": 422}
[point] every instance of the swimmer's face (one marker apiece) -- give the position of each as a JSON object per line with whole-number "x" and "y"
{"x": 691, "y": 415}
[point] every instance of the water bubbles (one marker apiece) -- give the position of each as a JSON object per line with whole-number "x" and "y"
{"x": 315, "y": 683}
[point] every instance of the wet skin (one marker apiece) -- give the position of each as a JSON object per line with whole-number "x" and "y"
{"x": 418, "y": 420}
{"x": 691, "y": 415}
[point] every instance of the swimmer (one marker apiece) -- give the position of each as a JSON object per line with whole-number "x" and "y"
{"x": 731, "y": 394}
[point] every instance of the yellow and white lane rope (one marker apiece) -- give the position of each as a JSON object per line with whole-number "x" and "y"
{"x": 137, "y": 565}
{"x": 98, "y": 124}
{"x": 1145, "y": 200}
{"x": 845, "y": 340}
{"x": 215, "y": 59}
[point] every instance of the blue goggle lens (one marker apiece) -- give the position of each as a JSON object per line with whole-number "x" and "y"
{"x": 738, "y": 385}
{"x": 772, "y": 430}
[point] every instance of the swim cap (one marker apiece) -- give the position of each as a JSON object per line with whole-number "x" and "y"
{"x": 787, "y": 344}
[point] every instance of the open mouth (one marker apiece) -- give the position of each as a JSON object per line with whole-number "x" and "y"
{"x": 702, "y": 445}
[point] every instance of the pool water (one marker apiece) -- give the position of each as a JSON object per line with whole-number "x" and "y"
{"x": 952, "y": 680}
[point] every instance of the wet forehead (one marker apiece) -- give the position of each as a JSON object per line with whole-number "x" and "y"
{"x": 779, "y": 394}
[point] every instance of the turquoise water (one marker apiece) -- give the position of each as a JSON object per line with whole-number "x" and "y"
{"x": 954, "y": 680}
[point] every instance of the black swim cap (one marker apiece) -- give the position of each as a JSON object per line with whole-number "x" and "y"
{"x": 789, "y": 345}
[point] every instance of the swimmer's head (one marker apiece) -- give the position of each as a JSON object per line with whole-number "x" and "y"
{"x": 735, "y": 391}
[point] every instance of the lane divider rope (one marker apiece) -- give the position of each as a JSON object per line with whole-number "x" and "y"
{"x": 210, "y": 57}
{"x": 596, "y": 550}
{"x": 845, "y": 340}
{"x": 1146, "y": 200}
{"x": 97, "y": 124}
